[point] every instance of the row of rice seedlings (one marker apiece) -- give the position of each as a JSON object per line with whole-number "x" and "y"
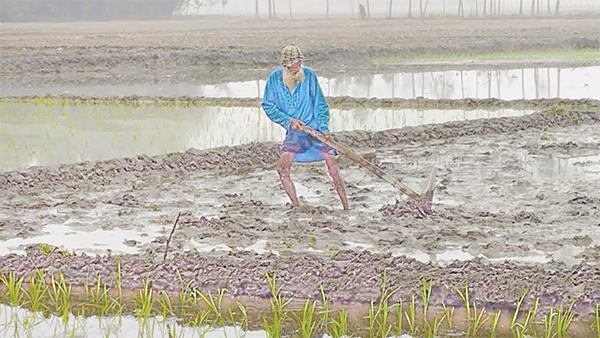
{"x": 58, "y": 296}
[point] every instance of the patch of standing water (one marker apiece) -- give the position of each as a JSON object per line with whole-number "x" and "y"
{"x": 80, "y": 241}
{"x": 509, "y": 84}
{"x": 543, "y": 168}
{"x": 50, "y": 135}
{"x": 18, "y": 322}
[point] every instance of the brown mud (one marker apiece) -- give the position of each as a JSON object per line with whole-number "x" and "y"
{"x": 231, "y": 196}
{"x": 207, "y": 52}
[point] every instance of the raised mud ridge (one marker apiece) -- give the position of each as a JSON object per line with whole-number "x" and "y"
{"x": 349, "y": 276}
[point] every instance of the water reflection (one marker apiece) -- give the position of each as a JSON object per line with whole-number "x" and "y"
{"x": 42, "y": 135}
{"x": 510, "y": 84}
{"x": 526, "y": 83}
{"x": 543, "y": 168}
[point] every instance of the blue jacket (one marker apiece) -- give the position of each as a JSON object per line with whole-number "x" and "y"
{"x": 306, "y": 103}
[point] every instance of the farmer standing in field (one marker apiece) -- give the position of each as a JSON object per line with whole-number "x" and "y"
{"x": 293, "y": 98}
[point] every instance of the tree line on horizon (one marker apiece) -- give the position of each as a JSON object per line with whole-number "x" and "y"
{"x": 69, "y": 10}
{"x": 81, "y": 10}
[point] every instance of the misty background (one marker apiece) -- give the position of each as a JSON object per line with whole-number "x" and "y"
{"x": 76, "y": 10}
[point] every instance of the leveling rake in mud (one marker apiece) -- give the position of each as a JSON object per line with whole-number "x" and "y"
{"x": 427, "y": 196}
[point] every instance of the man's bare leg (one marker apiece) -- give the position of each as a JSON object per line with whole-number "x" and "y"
{"x": 337, "y": 179}
{"x": 285, "y": 162}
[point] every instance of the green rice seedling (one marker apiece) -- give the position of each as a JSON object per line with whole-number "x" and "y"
{"x": 306, "y": 321}
{"x": 214, "y": 305}
{"x": 426, "y": 286}
{"x": 144, "y": 303}
{"x": 118, "y": 280}
{"x": 513, "y": 321}
{"x": 410, "y": 317}
{"x": 596, "y": 323}
{"x": 398, "y": 309}
{"x": 564, "y": 318}
{"x": 379, "y": 316}
{"x": 494, "y": 326}
{"x": 372, "y": 318}
{"x": 275, "y": 328}
{"x": 37, "y": 292}
{"x": 60, "y": 296}
{"x": 475, "y": 319}
{"x": 339, "y": 327}
{"x": 464, "y": 296}
{"x": 431, "y": 330}
{"x": 187, "y": 296}
{"x": 242, "y": 325}
{"x": 165, "y": 305}
{"x": 14, "y": 288}
{"x": 548, "y": 323}
{"x": 478, "y": 320}
{"x": 99, "y": 297}
{"x": 530, "y": 317}
{"x": 199, "y": 323}
{"x": 449, "y": 315}
{"x": 326, "y": 310}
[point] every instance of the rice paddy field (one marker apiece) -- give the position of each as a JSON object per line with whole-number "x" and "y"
{"x": 139, "y": 196}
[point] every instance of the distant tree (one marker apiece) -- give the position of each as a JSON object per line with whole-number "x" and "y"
{"x": 270, "y": 10}
{"x": 423, "y": 9}
{"x": 521, "y": 7}
{"x": 256, "y": 8}
{"x": 211, "y": 3}
{"x": 461, "y": 9}
{"x": 390, "y": 8}
{"x": 556, "y": 9}
{"x": 368, "y": 10}
{"x": 327, "y": 9}
{"x": 199, "y": 4}
{"x": 292, "y": 15}
{"x": 410, "y": 9}
{"x": 224, "y": 3}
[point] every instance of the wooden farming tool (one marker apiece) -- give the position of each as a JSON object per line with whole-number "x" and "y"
{"x": 362, "y": 161}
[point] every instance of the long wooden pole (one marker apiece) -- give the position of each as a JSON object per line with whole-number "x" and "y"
{"x": 362, "y": 161}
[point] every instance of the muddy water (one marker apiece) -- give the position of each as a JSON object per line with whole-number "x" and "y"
{"x": 489, "y": 210}
{"x": 507, "y": 84}
{"x": 50, "y": 135}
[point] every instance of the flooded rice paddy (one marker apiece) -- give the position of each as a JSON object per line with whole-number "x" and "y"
{"x": 505, "y": 84}
{"x": 41, "y": 135}
{"x": 503, "y": 173}
{"x": 122, "y": 214}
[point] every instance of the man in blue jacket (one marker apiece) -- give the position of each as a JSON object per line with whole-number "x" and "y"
{"x": 293, "y": 98}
